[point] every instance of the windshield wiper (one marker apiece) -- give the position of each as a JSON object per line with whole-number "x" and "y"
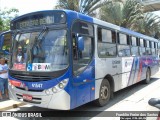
{"x": 38, "y": 45}
{"x": 42, "y": 33}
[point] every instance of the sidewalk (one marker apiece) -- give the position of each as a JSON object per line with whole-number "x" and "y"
{"x": 6, "y": 104}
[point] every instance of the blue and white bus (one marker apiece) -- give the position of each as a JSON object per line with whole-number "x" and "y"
{"x": 61, "y": 59}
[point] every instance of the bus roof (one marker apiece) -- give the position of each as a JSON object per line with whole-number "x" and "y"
{"x": 91, "y": 20}
{"x": 123, "y": 30}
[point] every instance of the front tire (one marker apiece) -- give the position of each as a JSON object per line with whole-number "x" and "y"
{"x": 104, "y": 93}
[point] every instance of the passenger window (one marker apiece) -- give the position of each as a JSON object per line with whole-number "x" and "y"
{"x": 148, "y": 49}
{"x": 134, "y": 47}
{"x": 142, "y": 51}
{"x": 134, "y": 41}
{"x": 134, "y": 51}
{"x": 106, "y": 50}
{"x": 106, "y": 36}
{"x": 141, "y": 43}
{"x": 123, "y": 38}
{"x": 106, "y": 43}
{"x": 153, "y": 51}
{"x": 123, "y": 48}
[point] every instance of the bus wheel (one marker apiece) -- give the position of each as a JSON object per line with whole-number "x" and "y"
{"x": 104, "y": 93}
{"x": 148, "y": 76}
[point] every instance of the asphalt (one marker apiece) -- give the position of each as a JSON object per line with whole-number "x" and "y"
{"x": 6, "y": 104}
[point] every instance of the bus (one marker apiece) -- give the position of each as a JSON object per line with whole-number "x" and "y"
{"x": 62, "y": 59}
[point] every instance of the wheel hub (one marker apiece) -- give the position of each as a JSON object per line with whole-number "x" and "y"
{"x": 104, "y": 92}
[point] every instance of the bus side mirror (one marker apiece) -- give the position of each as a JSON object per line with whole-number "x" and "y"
{"x": 80, "y": 42}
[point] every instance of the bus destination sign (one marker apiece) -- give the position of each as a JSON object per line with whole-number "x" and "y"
{"x": 38, "y": 20}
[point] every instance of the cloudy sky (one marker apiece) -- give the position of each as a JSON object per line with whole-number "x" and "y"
{"x": 26, "y": 6}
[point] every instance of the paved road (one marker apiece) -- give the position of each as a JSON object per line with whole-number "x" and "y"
{"x": 134, "y": 98}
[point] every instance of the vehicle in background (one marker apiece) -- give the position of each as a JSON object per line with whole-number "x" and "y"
{"x": 5, "y": 45}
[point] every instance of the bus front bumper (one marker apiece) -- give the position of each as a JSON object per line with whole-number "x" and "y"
{"x": 59, "y": 100}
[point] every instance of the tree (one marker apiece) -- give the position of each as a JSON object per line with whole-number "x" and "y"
{"x": 87, "y": 7}
{"x": 5, "y": 17}
{"x": 129, "y": 14}
{"x": 124, "y": 14}
{"x": 149, "y": 25}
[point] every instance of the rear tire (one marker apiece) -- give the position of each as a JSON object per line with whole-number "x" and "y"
{"x": 148, "y": 76}
{"x": 104, "y": 93}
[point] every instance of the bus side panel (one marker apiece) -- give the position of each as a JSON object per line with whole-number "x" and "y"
{"x": 155, "y": 65}
{"x": 107, "y": 66}
{"x": 125, "y": 71}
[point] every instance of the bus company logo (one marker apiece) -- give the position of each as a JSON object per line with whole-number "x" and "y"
{"x": 128, "y": 63}
{"x": 23, "y": 85}
{"x": 41, "y": 67}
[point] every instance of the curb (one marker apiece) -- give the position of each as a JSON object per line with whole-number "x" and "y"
{"x": 12, "y": 106}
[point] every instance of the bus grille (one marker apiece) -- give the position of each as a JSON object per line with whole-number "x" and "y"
{"x": 29, "y": 89}
{"x": 31, "y": 78}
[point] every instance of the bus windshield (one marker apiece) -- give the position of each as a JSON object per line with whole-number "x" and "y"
{"x": 40, "y": 51}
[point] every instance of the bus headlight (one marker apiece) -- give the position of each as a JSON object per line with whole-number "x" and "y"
{"x": 54, "y": 89}
{"x": 61, "y": 86}
{"x": 48, "y": 92}
{"x": 58, "y": 87}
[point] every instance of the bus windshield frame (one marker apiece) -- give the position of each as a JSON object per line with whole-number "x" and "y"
{"x": 40, "y": 51}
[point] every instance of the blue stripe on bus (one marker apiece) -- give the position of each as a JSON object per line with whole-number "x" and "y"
{"x": 43, "y": 85}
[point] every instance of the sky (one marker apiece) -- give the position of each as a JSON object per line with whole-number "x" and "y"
{"x": 157, "y": 13}
{"x": 26, "y": 6}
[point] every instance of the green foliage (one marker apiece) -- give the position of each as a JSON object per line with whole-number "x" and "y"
{"x": 87, "y": 7}
{"x": 149, "y": 25}
{"x": 6, "y": 16}
{"x": 129, "y": 14}
{"x": 112, "y": 13}
{"x": 122, "y": 14}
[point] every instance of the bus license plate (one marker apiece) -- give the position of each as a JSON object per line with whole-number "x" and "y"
{"x": 27, "y": 97}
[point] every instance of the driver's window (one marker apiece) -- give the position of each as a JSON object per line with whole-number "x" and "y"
{"x": 83, "y": 44}
{"x": 82, "y": 58}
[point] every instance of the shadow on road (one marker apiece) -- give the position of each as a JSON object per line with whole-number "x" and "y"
{"x": 118, "y": 96}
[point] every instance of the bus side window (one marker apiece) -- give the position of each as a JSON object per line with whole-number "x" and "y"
{"x": 106, "y": 43}
{"x": 123, "y": 47}
{"x": 134, "y": 46}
